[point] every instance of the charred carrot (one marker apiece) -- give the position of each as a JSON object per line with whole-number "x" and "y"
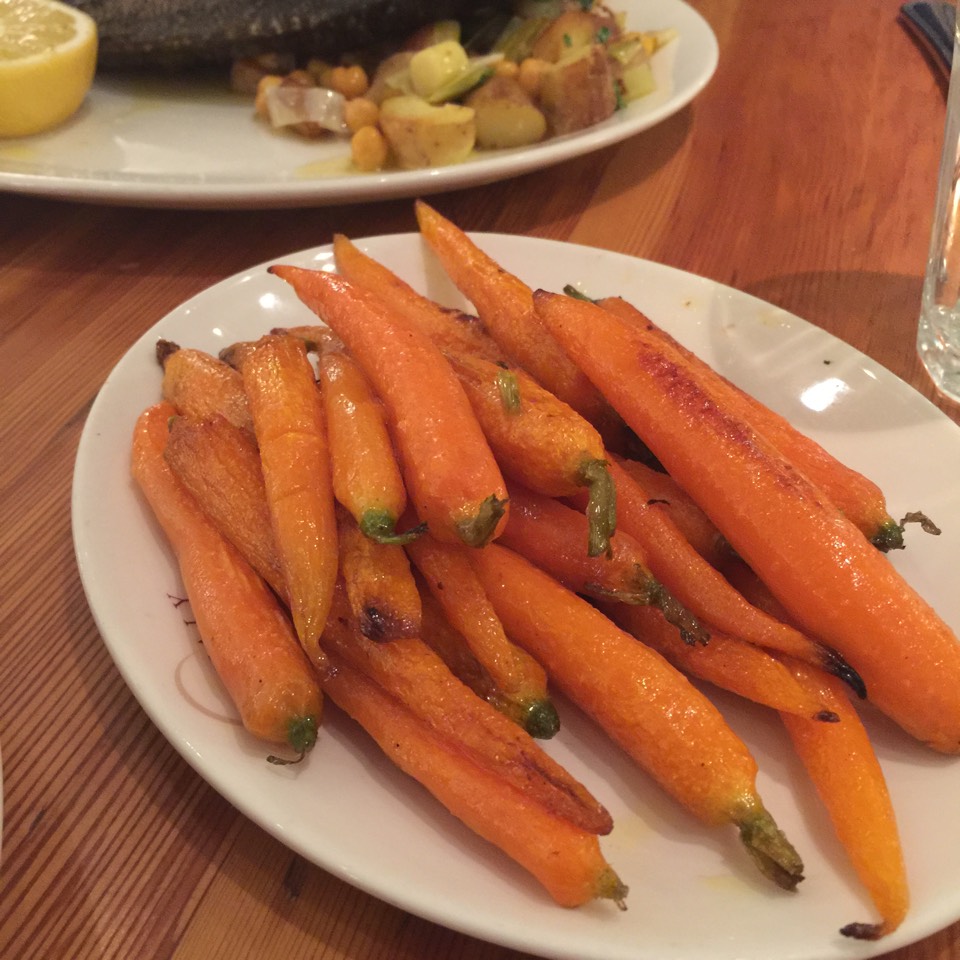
{"x": 504, "y": 304}
{"x": 379, "y": 584}
{"x": 814, "y": 560}
{"x": 414, "y": 675}
{"x": 727, "y": 662}
{"x": 536, "y": 437}
{"x": 244, "y": 630}
{"x": 565, "y": 859}
{"x": 551, "y": 535}
{"x": 200, "y": 385}
{"x": 366, "y": 477}
{"x": 705, "y": 592}
{"x": 220, "y": 465}
{"x": 540, "y": 441}
{"x": 648, "y": 707}
{"x": 689, "y": 519}
{"x": 857, "y": 496}
{"x": 518, "y": 677}
{"x": 288, "y": 420}
{"x": 844, "y": 768}
{"x": 451, "y": 474}
{"x": 449, "y": 329}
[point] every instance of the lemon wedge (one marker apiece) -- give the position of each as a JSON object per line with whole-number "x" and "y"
{"x": 48, "y": 55}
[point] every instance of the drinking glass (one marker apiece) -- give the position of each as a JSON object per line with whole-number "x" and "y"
{"x": 938, "y": 334}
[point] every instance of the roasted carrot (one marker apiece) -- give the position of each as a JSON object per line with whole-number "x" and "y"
{"x": 727, "y": 662}
{"x": 643, "y": 703}
{"x": 220, "y": 465}
{"x": 565, "y": 859}
{"x": 504, "y": 304}
{"x": 379, "y": 584}
{"x": 814, "y": 560}
{"x": 244, "y": 630}
{"x": 551, "y": 535}
{"x": 854, "y": 494}
{"x": 199, "y": 384}
{"x": 451, "y": 475}
{"x": 690, "y": 520}
{"x": 536, "y": 437}
{"x": 705, "y": 592}
{"x": 518, "y": 677}
{"x": 540, "y": 441}
{"x": 366, "y": 477}
{"x": 844, "y": 768}
{"x": 414, "y": 675}
{"x": 449, "y": 329}
{"x": 288, "y": 420}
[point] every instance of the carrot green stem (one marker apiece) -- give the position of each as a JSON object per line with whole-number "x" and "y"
{"x": 601, "y": 505}
{"x": 381, "y": 525}
{"x": 301, "y": 735}
{"x": 540, "y": 719}
{"x": 770, "y": 849}
{"x": 611, "y": 887}
{"x": 691, "y": 630}
{"x": 475, "y": 531}
{"x": 509, "y": 390}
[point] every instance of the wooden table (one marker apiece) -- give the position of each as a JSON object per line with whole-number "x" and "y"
{"x": 803, "y": 174}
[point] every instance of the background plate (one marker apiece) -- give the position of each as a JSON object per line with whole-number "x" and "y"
{"x": 694, "y": 894}
{"x": 183, "y": 143}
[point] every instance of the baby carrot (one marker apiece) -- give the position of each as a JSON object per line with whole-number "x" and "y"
{"x": 842, "y": 765}
{"x": 220, "y": 465}
{"x": 451, "y": 474}
{"x": 366, "y": 477}
{"x": 648, "y": 707}
{"x": 551, "y": 535}
{"x": 244, "y": 631}
{"x": 410, "y": 672}
{"x": 856, "y": 496}
{"x": 199, "y": 384}
{"x": 449, "y": 329}
{"x": 564, "y": 858}
{"x": 540, "y": 441}
{"x": 379, "y": 584}
{"x": 705, "y": 592}
{"x": 690, "y": 520}
{"x": 816, "y": 562}
{"x": 505, "y": 306}
{"x": 288, "y": 420}
{"x": 726, "y": 662}
{"x": 519, "y": 678}
{"x": 536, "y": 438}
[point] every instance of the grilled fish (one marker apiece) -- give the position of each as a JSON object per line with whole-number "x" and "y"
{"x": 177, "y": 34}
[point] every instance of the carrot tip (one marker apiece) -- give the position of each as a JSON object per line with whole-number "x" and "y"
{"x": 864, "y": 931}
{"x": 477, "y": 530}
{"x": 834, "y": 664}
{"x": 916, "y": 516}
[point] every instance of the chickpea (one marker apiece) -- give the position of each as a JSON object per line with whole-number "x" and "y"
{"x": 531, "y": 74}
{"x": 350, "y": 81}
{"x": 359, "y": 113}
{"x": 507, "y": 68}
{"x": 368, "y": 149}
{"x": 321, "y": 71}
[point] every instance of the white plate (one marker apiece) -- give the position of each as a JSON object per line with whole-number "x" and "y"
{"x": 183, "y": 144}
{"x": 693, "y": 892}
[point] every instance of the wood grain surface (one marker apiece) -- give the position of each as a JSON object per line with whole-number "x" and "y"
{"x": 803, "y": 174}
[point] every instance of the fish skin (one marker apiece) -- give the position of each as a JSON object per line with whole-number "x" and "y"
{"x": 178, "y": 34}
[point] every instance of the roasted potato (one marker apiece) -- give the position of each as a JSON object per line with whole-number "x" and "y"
{"x": 572, "y": 31}
{"x": 422, "y": 135}
{"x": 578, "y": 91}
{"x": 505, "y": 115}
